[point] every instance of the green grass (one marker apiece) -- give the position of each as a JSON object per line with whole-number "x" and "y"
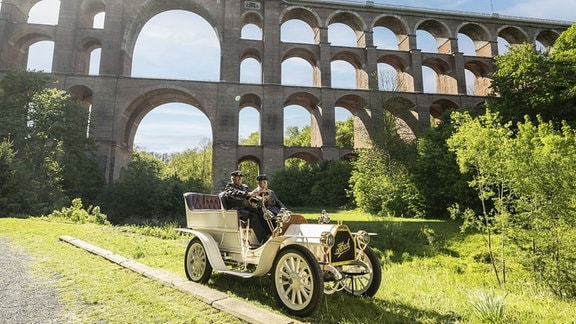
{"x": 431, "y": 274}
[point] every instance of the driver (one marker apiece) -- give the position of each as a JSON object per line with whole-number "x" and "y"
{"x": 236, "y": 195}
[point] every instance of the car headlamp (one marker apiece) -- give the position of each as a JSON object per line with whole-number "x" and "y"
{"x": 363, "y": 237}
{"x": 327, "y": 239}
{"x": 324, "y": 217}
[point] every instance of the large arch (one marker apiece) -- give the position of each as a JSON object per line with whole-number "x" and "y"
{"x": 138, "y": 109}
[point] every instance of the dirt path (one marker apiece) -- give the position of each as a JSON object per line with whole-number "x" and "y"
{"x": 24, "y": 297}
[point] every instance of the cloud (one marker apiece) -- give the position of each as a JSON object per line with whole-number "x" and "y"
{"x": 549, "y": 9}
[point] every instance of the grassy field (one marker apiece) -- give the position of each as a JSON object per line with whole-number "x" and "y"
{"x": 431, "y": 274}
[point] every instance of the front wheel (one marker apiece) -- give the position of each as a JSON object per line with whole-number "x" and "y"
{"x": 297, "y": 281}
{"x": 196, "y": 262}
{"x": 365, "y": 284}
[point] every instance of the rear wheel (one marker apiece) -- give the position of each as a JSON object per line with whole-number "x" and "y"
{"x": 297, "y": 281}
{"x": 196, "y": 262}
{"x": 366, "y": 284}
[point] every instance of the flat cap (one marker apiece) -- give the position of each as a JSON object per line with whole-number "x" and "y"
{"x": 261, "y": 177}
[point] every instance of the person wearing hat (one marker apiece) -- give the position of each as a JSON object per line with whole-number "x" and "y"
{"x": 272, "y": 202}
{"x": 235, "y": 196}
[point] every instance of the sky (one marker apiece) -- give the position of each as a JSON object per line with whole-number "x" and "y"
{"x": 175, "y": 127}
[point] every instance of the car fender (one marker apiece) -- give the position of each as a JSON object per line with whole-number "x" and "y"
{"x": 269, "y": 251}
{"x": 211, "y": 247}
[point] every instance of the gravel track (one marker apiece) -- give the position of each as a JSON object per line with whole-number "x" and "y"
{"x": 24, "y": 296}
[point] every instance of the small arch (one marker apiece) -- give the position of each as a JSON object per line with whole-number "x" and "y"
{"x": 397, "y": 26}
{"x": 479, "y": 37}
{"x": 40, "y": 56}
{"x": 353, "y": 22}
{"x": 251, "y": 67}
{"x": 438, "y": 107}
{"x": 299, "y": 25}
{"x": 512, "y": 35}
{"x": 547, "y": 38}
{"x": 439, "y": 32}
{"x": 252, "y": 23}
{"x": 148, "y": 101}
{"x": 45, "y": 12}
{"x": 297, "y": 71}
{"x": 446, "y": 83}
{"x": 481, "y": 81}
{"x": 93, "y": 13}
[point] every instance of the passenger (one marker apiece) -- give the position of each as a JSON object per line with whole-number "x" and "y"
{"x": 271, "y": 201}
{"x": 236, "y": 195}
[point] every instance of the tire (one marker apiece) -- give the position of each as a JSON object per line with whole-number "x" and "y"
{"x": 196, "y": 263}
{"x": 297, "y": 282}
{"x": 367, "y": 284}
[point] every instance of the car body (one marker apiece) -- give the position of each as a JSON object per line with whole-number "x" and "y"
{"x": 305, "y": 260}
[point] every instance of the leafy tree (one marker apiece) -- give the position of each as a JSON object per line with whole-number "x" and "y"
{"x": 482, "y": 148}
{"x": 526, "y": 181}
{"x": 296, "y": 137}
{"x": 193, "y": 168}
{"x": 345, "y": 133}
{"x": 253, "y": 139}
{"x": 134, "y": 196}
{"x": 528, "y": 82}
{"x": 47, "y": 132}
{"x": 543, "y": 175}
{"x": 383, "y": 186}
{"x": 436, "y": 173}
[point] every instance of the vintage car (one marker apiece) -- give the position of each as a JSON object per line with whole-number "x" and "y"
{"x": 305, "y": 261}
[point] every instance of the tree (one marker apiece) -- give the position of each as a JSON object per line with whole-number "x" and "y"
{"x": 526, "y": 181}
{"x": 47, "y": 132}
{"x": 345, "y": 133}
{"x": 482, "y": 149}
{"x": 532, "y": 83}
{"x": 296, "y": 137}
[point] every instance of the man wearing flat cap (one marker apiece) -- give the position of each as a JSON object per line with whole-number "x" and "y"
{"x": 235, "y": 196}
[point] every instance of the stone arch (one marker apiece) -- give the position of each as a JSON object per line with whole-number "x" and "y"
{"x": 358, "y": 107}
{"x": 252, "y": 17}
{"x": 438, "y": 107}
{"x": 405, "y": 113}
{"x": 398, "y": 26}
{"x": 479, "y": 35}
{"x": 482, "y": 74}
{"x": 153, "y": 7}
{"x": 446, "y": 82}
{"x": 86, "y": 46}
{"x": 250, "y": 100}
{"x": 25, "y": 6}
{"x": 145, "y": 103}
{"x": 352, "y": 20}
{"x": 302, "y": 53}
{"x": 405, "y": 81}
{"x": 249, "y": 158}
{"x": 309, "y": 102}
{"x": 358, "y": 63}
{"x": 305, "y": 15}
{"x": 513, "y": 35}
{"x": 81, "y": 93}
{"x": 547, "y": 38}
{"x": 310, "y": 156}
{"x": 89, "y": 9}
{"x": 439, "y": 31}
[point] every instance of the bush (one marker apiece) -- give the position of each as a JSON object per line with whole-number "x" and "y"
{"x": 76, "y": 213}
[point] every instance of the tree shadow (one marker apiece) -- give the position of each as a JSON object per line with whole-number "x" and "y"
{"x": 339, "y": 307}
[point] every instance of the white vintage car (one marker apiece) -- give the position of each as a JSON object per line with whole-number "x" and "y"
{"x": 305, "y": 261}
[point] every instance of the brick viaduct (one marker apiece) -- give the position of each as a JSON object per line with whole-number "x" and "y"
{"x": 119, "y": 102}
